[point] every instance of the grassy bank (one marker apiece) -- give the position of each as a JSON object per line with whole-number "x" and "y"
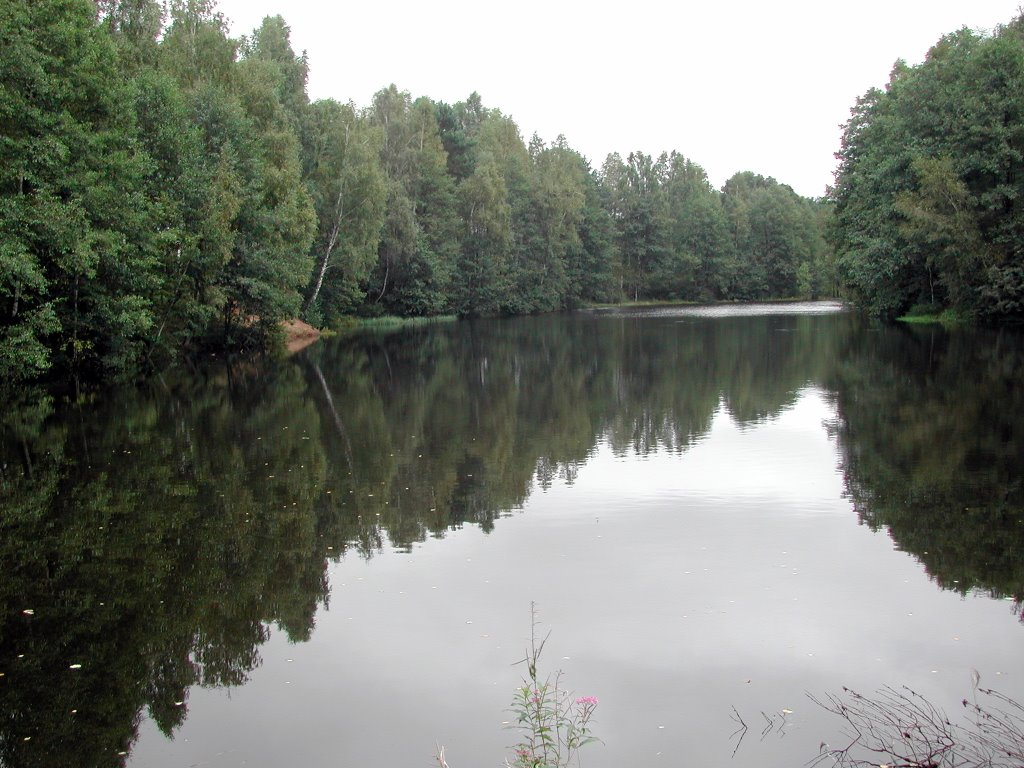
{"x": 388, "y": 323}
{"x": 930, "y": 314}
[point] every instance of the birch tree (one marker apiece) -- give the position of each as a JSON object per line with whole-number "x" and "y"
{"x": 349, "y": 192}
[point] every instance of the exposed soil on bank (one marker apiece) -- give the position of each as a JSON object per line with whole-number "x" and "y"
{"x": 298, "y": 335}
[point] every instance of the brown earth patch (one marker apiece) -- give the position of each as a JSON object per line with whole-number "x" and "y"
{"x": 298, "y": 335}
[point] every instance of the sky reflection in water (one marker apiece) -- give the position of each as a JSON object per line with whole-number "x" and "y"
{"x": 676, "y": 586}
{"x": 330, "y": 560}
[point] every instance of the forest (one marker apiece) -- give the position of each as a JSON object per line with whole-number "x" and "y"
{"x": 167, "y": 189}
{"x": 927, "y": 209}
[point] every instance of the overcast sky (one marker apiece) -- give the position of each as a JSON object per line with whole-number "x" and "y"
{"x": 734, "y": 86}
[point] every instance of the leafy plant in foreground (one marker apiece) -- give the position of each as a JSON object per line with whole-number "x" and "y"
{"x": 553, "y": 724}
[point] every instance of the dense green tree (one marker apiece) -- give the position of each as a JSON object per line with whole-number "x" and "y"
{"x": 169, "y": 188}
{"x": 271, "y": 263}
{"x": 136, "y": 25}
{"x": 518, "y": 261}
{"x": 678, "y": 238}
{"x": 76, "y": 270}
{"x": 779, "y": 250}
{"x": 348, "y": 189}
{"x": 419, "y": 239}
{"x": 593, "y": 263}
{"x": 637, "y": 202}
{"x": 271, "y": 43}
{"x": 183, "y": 199}
{"x": 437, "y": 214}
{"x": 459, "y": 124}
{"x": 699, "y": 243}
{"x": 482, "y": 283}
{"x": 866, "y": 234}
{"x": 939, "y": 220}
{"x": 196, "y": 48}
{"x": 929, "y": 178}
{"x": 260, "y": 220}
{"x": 546, "y": 227}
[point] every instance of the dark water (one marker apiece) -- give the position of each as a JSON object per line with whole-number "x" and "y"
{"x": 329, "y": 561}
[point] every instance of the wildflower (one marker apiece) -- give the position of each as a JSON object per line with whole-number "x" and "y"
{"x": 587, "y": 701}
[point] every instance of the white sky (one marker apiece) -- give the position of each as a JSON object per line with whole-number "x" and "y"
{"x": 741, "y": 85}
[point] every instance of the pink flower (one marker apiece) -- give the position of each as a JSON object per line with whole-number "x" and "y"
{"x": 587, "y": 701}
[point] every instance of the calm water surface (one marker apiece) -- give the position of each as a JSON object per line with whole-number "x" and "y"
{"x": 330, "y": 561}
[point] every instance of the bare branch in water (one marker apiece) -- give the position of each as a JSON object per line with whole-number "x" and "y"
{"x": 900, "y": 728}
{"x": 742, "y": 730}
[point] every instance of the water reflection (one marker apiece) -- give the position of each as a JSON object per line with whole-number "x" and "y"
{"x": 147, "y": 542}
{"x": 931, "y": 425}
{"x": 151, "y": 539}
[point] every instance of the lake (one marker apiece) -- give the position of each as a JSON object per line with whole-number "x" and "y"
{"x": 330, "y": 560}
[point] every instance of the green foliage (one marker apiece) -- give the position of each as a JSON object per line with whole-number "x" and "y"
{"x": 196, "y": 49}
{"x": 184, "y": 199}
{"x": 76, "y": 269}
{"x": 927, "y": 191}
{"x": 547, "y": 228}
{"x": 459, "y": 126}
{"x": 135, "y": 26}
{"x": 700, "y": 246}
{"x": 271, "y": 43}
{"x": 678, "y": 238}
{"x": 482, "y": 284}
{"x": 419, "y": 237}
{"x": 248, "y": 259}
{"x": 638, "y": 206}
{"x": 165, "y": 188}
{"x": 553, "y": 724}
{"x": 271, "y": 263}
{"x": 777, "y": 237}
{"x": 348, "y": 189}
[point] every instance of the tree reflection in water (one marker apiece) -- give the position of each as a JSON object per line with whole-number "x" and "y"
{"x": 155, "y": 536}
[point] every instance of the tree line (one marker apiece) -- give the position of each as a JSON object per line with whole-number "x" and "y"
{"x": 166, "y": 188}
{"x": 931, "y": 174}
